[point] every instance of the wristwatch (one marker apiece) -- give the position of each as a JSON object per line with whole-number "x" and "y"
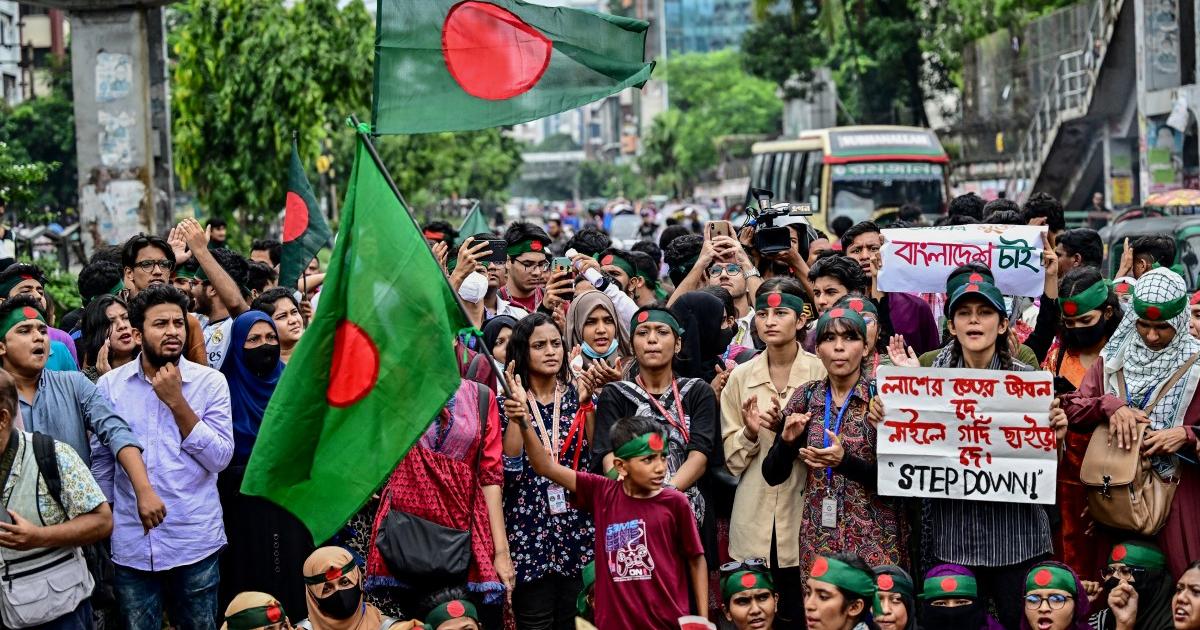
{"x": 752, "y": 272}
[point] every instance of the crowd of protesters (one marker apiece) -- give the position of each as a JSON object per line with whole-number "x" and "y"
{"x": 685, "y": 429}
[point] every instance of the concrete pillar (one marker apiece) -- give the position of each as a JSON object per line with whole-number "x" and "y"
{"x": 122, "y": 122}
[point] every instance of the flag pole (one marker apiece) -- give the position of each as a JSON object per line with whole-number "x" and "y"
{"x": 387, "y": 176}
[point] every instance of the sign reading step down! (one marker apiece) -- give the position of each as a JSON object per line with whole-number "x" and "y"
{"x": 918, "y": 260}
{"x": 978, "y": 435}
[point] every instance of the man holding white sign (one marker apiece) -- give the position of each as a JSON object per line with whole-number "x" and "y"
{"x": 949, "y": 445}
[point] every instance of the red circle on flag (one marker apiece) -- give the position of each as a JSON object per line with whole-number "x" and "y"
{"x": 949, "y": 584}
{"x": 355, "y": 368}
{"x": 643, "y": 316}
{"x": 972, "y": 287}
{"x": 1042, "y": 577}
{"x": 886, "y": 583}
{"x": 332, "y": 574}
{"x": 820, "y": 566}
{"x": 456, "y": 609}
{"x": 607, "y": 260}
{"x": 535, "y": 246}
{"x": 491, "y": 53}
{"x": 1070, "y": 308}
{"x": 295, "y": 217}
{"x": 655, "y": 442}
{"x": 975, "y": 278}
{"x": 1153, "y": 313}
{"x": 748, "y": 580}
{"x": 1119, "y": 553}
{"x": 774, "y": 300}
{"x": 29, "y": 313}
{"x": 857, "y": 305}
{"x": 274, "y": 614}
{"x": 837, "y": 312}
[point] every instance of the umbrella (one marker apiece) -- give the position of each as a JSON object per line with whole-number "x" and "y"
{"x": 1175, "y": 198}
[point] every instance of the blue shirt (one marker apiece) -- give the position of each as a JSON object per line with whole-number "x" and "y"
{"x": 67, "y": 406}
{"x": 60, "y": 358}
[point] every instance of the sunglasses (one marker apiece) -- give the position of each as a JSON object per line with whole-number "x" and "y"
{"x": 758, "y": 565}
{"x": 1123, "y": 572}
{"x": 731, "y": 269}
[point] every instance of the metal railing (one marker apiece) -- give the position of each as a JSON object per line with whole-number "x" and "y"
{"x": 1066, "y": 98}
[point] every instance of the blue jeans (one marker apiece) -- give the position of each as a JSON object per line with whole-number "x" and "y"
{"x": 189, "y": 594}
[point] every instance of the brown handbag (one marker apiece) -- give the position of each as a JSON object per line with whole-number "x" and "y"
{"x": 1123, "y": 490}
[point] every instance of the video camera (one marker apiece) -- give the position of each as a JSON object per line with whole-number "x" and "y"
{"x": 770, "y": 239}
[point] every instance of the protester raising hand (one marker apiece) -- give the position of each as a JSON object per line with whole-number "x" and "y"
{"x": 794, "y": 428}
{"x": 901, "y": 354}
{"x": 441, "y": 251}
{"x": 470, "y": 257}
{"x": 1123, "y": 602}
{"x": 516, "y": 404}
{"x": 757, "y": 420}
{"x": 718, "y": 382}
{"x": 828, "y": 457}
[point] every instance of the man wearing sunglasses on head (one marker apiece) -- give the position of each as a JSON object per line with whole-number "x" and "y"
{"x": 749, "y": 594}
{"x": 147, "y": 259}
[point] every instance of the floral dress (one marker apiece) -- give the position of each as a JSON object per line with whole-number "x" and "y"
{"x": 543, "y": 544}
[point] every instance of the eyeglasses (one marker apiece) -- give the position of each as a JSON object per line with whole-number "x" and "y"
{"x": 731, "y": 269}
{"x": 1123, "y": 572}
{"x": 1056, "y": 601}
{"x": 758, "y": 565}
{"x": 530, "y": 265}
{"x": 149, "y": 265}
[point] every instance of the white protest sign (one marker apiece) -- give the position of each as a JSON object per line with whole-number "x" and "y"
{"x": 979, "y": 435}
{"x": 918, "y": 260}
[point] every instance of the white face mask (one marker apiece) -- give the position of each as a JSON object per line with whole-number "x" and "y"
{"x": 474, "y": 287}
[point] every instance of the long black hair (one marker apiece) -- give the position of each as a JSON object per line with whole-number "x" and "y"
{"x": 517, "y": 350}
{"x": 93, "y": 329}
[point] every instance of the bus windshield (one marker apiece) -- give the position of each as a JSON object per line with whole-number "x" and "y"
{"x": 862, "y": 188}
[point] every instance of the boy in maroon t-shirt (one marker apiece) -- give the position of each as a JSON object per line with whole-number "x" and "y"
{"x": 647, "y": 544}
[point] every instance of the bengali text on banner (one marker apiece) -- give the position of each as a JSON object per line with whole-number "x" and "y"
{"x": 917, "y": 260}
{"x": 978, "y": 435}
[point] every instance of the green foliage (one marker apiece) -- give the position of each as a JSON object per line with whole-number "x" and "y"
{"x": 556, "y": 142}
{"x": 605, "y": 179}
{"x": 249, "y": 73}
{"x": 20, "y": 179}
{"x": 711, "y": 96}
{"x": 61, "y": 285}
{"x": 42, "y": 131}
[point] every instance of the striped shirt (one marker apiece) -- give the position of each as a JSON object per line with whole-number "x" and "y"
{"x": 986, "y": 533}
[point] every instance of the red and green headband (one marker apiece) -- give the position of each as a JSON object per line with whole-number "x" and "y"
{"x": 893, "y": 583}
{"x": 453, "y": 609}
{"x": 1050, "y": 576}
{"x": 1086, "y": 300}
{"x": 838, "y": 573}
{"x": 257, "y": 617}
{"x": 859, "y": 305}
{"x": 780, "y": 299}
{"x": 1159, "y": 311}
{"x": 620, "y": 263}
{"x": 735, "y": 583}
{"x": 18, "y": 315}
{"x": 656, "y": 315}
{"x": 640, "y": 446}
{"x": 526, "y": 246}
{"x": 13, "y": 282}
{"x": 944, "y": 586}
{"x": 847, "y": 314}
{"x": 331, "y": 574}
{"x": 1135, "y": 554}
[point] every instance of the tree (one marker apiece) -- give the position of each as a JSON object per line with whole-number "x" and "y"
{"x": 711, "y": 96}
{"x": 42, "y": 130}
{"x": 20, "y": 179}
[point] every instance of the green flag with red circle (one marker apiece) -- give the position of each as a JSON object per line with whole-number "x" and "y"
{"x": 304, "y": 229}
{"x": 371, "y": 372}
{"x": 450, "y": 65}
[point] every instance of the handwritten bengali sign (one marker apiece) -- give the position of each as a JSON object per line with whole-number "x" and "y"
{"x": 917, "y": 260}
{"x": 979, "y": 435}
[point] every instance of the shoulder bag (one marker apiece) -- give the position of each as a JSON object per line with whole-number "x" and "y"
{"x": 420, "y": 552}
{"x": 1123, "y": 490}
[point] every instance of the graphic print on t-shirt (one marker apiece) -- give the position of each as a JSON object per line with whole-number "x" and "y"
{"x": 628, "y": 556}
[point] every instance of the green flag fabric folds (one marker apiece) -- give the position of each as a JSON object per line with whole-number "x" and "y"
{"x": 475, "y": 223}
{"x": 304, "y": 229}
{"x": 448, "y": 65}
{"x": 371, "y": 372}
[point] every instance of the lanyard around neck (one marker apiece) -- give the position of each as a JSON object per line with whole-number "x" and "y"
{"x": 679, "y": 424}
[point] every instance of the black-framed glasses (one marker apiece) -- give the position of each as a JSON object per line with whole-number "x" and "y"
{"x": 1123, "y": 572}
{"x": 730, "y": 269}
{"x": 530, "y": 265}
{"x": 1055, "y": 600}
{"x": 149, "y": 265}
{"x": 758, "y": 565}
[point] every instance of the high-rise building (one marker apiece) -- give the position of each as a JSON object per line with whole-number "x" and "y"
{"x": 10, "y": 53}
{"x": 705, "y": 25}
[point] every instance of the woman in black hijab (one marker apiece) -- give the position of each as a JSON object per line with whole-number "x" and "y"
{"x": 702, "y": 316}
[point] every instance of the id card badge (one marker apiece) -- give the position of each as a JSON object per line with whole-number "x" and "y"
{"x": 829, "y": 512}
{"x": 556, "y": 499}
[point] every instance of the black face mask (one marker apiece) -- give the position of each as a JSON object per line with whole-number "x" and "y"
{"x": 341, "y": 604}
{"x": 1085, "y": 336}
{"x": 967, "y": 617}
{"x": 727, "y": 335}
{"x": 261, "y": 360}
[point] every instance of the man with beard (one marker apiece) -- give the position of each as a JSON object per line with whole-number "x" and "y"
{"x": 221, "y": 295}
{"x": 148, "y": 260}
{"x": 181, "y": 410}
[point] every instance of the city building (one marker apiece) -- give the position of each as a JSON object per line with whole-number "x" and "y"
{"x": 10, "y": 53}
{"x": 705, "y": 25}
{"x": 43, "y": 38}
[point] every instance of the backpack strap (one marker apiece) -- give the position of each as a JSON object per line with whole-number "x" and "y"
{"x": 47, "y": 463}
{"x": 1162, "y": 391}
{"x": 474, "y": 366}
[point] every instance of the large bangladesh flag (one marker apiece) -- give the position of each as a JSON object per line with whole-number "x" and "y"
{"x": 450, "y": 65}
{"x": 304, "y": 229}
{"x": 370, "y": 373}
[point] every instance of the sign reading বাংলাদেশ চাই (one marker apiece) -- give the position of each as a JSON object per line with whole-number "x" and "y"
{"x": 978, "y": 435}
{"x": 918, "y": 260}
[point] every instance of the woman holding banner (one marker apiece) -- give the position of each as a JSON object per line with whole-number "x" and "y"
{"x": 842, "y": 510}
{"x": 998, "y": 542}
{"x": 1151, "y": 357}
